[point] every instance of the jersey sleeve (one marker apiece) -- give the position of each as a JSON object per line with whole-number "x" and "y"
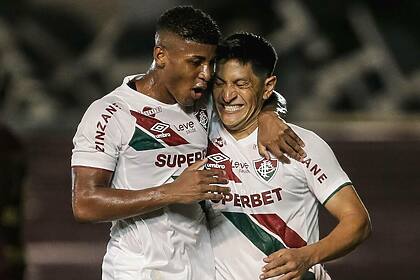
{"x": 323, "y": 172}
{"x": 98, "y": 139}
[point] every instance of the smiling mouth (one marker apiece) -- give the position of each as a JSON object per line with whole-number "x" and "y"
{"x": 232, "y": 108}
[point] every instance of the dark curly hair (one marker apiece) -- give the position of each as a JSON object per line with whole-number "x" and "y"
{"x": 248, "y": 47}
{"x": 190, "y": 24}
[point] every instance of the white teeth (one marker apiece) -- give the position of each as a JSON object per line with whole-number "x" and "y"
{"x": 232, "y": 108}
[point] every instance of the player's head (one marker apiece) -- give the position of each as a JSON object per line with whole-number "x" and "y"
{"x": 244, "y": 79}
{"x": 185, "y": 44}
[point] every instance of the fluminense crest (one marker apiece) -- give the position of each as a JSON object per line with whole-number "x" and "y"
{"x": 265, "y": 168}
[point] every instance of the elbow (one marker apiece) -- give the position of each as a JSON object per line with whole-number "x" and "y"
{"x": 82, "y": 213}
{"x": 365, "y": 228}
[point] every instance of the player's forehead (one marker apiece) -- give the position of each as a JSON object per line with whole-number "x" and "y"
{"x": 178, "y": 45}
{"x": 233, "y": 69}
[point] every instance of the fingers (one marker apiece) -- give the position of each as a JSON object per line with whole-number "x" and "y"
{"x": 277, "y": 267}
{"x": 277, "y": 271}
{"x": 294, "y": 147}
{"x": 212, "y": 196}
{"x": 275, "y": 150}
{"x": 215, "y": 188}
{"x": 263, "y": 151}
{"x": 215, "y": 180}
{"x": 295, "y": 137}
{"x": 197, "y": 165}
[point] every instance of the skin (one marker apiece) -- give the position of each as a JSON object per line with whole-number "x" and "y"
{"x": 179, "y": 74}
{"x": 352, "y": 229}
{"x": 239, "y": 96}
{"x": 179, "y": 67}
{"x": 95, "y": 201}
{"x": 237, "y": 85}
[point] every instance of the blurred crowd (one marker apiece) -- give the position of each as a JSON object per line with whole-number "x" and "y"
{"x": 352, "y": 58}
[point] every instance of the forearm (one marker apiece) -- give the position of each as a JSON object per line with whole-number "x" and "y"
{"x": 102, "y": 204}
{"x": 350, "y": 232}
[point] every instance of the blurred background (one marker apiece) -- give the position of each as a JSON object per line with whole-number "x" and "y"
{"x": 350, "y": 71}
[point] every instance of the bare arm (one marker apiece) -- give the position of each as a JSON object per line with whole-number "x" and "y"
{"x": 274, "y": 135}
{"x": 94, "y": 201}
{"x": 353, "y": 228}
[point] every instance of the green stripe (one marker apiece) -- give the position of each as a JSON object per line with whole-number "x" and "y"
{"x": 259, "y": 237}
{"x": 336, "y": 191}
{"x": 141, "y": 141}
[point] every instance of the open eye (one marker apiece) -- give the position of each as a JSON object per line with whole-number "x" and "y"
{"x": 195, "y": 61}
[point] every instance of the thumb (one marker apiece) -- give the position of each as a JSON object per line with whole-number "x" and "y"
{"x": 263, "y": 151}
{"x": 198, "y": 164}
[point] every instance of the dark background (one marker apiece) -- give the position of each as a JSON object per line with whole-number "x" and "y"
{"x": 350, "y": 71}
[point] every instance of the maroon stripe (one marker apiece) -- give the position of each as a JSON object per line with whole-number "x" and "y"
{"x": 277, "y": 226}
{"x": 148, "y": 122}
{"x": 212, "y": 150}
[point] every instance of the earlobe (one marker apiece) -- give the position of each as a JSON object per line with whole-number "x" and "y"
{"x": 159, "y": 56}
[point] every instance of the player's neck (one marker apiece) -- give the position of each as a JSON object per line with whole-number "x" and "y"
{"x": 245, "y": 131}
{"x": 152, "y": 86}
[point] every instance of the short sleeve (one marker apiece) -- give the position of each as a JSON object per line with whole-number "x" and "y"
{"x": 98, "y": 139}
{"x": 323, "y": 172}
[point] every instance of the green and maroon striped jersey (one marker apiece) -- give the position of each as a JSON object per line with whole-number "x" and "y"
{"x": 271, "y": 205}
{"x": 147, "y": 143}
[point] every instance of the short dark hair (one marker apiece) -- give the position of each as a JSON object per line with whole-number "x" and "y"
{"x": 190, "y": 24}
{"x": 247, "y": 47}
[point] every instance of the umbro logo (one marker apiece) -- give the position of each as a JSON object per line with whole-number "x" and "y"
{"x": 218, "y": 158}
{"x": 159, "y": 127}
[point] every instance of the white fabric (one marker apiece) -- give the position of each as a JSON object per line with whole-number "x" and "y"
{"x": 173, "y": 242}
{"x": 290, "y": 191}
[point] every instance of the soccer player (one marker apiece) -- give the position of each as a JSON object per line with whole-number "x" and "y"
{"x": 132, "y": 150}
{"x": 268, "y": 224}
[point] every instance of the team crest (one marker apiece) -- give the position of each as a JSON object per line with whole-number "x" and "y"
{"x": 202, "y": 117}
{"x": 265, "y": 168}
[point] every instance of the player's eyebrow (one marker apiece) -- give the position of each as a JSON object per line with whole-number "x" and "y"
{"x": 218, "y": 77}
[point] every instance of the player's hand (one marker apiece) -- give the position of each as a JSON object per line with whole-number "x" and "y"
{"x": 290, "y": 263}
{"x": 275, "y": 136}
{"x": 195, "y": 185}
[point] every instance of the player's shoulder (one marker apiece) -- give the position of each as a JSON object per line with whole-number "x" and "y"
{"x": 309, "y": 137}
{"x": 111, "y": 103}
{"x": 314, "y": 144}
{"x": 303, "y": 133}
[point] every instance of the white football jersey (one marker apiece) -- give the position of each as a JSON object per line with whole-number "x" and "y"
{"x": 271, "y": 205}
{"x": 147, "y": 143}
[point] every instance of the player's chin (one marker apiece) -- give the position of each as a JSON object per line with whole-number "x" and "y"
{"x": 187, "y": 102}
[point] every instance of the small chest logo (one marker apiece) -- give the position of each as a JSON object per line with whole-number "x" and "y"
{"x": 202, "y": 117}
{"x": 265, "y": 168}
{"x": 151, "y": 112}
{"x": 219, "y": 141}
{"x": 160, "y": 128}
{"x": 218, "y": 158}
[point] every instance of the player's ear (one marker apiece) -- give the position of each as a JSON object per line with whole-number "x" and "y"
{"x": 159, "y": 55}
{"x": 269, "y": 85}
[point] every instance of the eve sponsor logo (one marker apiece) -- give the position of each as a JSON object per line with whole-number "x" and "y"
{"x": 241, "y": 167}
{"x": 187, "y": 127}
